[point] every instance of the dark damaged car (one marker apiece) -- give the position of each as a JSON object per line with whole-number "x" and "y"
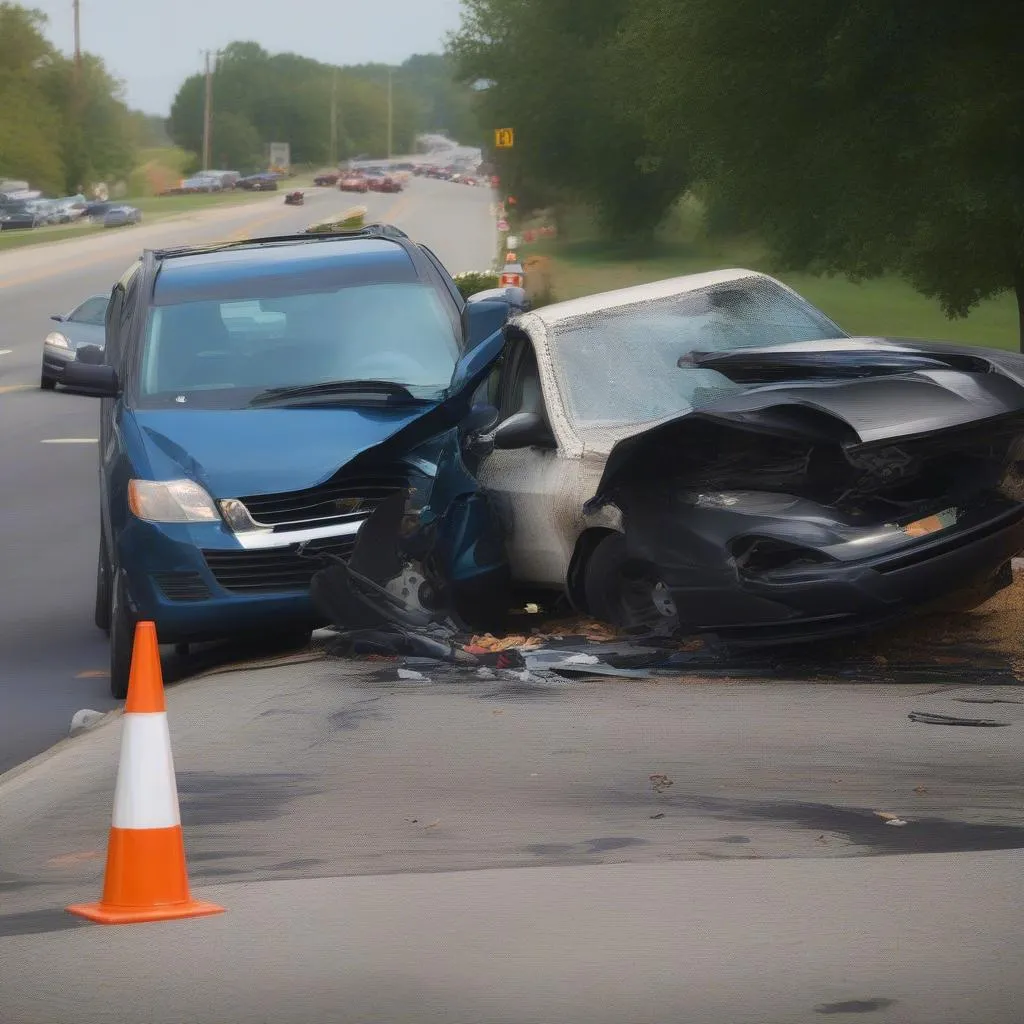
{"x": 712, "y": 452}
{"x": 261, "y": 402}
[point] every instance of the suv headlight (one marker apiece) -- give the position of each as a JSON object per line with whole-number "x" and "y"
{"x": 56, "y": 340}
{"x": 171, "y": 501}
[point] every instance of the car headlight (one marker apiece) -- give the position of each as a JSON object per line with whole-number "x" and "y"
{"x": 171, "y": 501}
{"x": 57, "y": 340}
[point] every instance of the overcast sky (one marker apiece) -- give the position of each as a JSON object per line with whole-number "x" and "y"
{"x": 153, "y": 46}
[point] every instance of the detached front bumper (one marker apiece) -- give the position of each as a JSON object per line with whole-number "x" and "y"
{"x": 838, "y": 597}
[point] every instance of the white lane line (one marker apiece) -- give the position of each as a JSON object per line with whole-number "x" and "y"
{"x": 70, "y": 440}
{"x": 6, "y": 351}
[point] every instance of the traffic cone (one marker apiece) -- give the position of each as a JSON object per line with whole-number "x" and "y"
{"x": 146, "y": 877}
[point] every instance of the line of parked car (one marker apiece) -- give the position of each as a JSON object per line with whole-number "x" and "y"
{"x": 19, "y": 211}
{"x": 221, "y": 181}
{"x": 363, "y": 179}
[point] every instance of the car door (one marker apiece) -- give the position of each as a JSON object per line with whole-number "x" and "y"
{"x": 123, "y": 298}
{"x": 526, "y": 484}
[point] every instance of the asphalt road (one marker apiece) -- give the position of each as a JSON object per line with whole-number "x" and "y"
{"x": 53, "y": 661}
{"x": 466, "y": 847}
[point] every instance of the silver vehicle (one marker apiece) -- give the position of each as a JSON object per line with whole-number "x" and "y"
{"x": 84, "y": 325}
{"x": 120, "y": 215}
{"x": 714, "y": 451}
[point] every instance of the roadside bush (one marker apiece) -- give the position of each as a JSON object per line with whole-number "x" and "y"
{"x": 472, "y": 281}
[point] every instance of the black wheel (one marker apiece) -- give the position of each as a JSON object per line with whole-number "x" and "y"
{"x": 47, "y": 383}
{"x": 623, "y": 590}
{"x": 101, "y": 615}
{"x": 122, "y": 638}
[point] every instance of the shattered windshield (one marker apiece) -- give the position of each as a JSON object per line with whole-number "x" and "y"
{"x": 621, "y": 366}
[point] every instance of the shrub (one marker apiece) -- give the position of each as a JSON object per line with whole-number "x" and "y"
{"x": 473, "y": 281}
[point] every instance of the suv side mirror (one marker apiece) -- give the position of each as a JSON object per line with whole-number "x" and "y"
{"x": 482, "y": 417}
{"x": 515, "y": 298}
{"x": 59, "y": 317}
{"x": 98, "y": 379}
{"x": 522, "y": 430}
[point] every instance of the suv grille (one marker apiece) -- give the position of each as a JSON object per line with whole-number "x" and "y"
{"x": 340, "y": 500}
{"x": 182, "y": 586}
{"x": 271, "y": 569}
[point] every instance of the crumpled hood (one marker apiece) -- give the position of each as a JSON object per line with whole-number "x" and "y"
{"x": 858, "y": 391}
{"x": 240, "y": 452}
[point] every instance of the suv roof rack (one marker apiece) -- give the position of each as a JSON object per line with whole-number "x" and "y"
{"x": 375, "y": 230}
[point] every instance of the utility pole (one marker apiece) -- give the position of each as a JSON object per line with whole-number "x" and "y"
{"x": 207, "y": 114}
{"x": 334, "y": 119}
{"x": 391, "y": 112}
{"x": 76, "y": 6}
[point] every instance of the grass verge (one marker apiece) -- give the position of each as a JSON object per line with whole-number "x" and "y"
{"x": 581, "y": 264}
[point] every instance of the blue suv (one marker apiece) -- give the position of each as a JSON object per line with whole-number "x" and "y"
{"x": 263, "y": 398}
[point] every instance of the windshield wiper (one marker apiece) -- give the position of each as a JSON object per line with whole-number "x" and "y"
{"x": 353, "y": 390}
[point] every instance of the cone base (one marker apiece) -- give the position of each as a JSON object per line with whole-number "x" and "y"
{"x": 101, "y": 914}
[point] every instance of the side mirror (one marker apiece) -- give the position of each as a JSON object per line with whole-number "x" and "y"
{"x": 98, "y": 379}
{"x": 515, "y": 298}
{"x": 59, "y": 317}
{"x": 482, "y": 417}
{"x": 522, "y": 430}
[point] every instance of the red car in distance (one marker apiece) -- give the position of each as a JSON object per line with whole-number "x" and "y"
{"x": 386, "y": 183}
{"x": 353, "y": 183}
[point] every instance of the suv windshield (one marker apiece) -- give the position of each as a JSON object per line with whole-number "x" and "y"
{"x": 226, "y": 352}
{"x": 621, "y": 366}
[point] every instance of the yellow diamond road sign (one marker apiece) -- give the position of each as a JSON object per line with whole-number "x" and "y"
{"x": 504, "y": 138}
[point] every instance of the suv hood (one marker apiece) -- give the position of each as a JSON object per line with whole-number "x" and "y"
{"x": 236, "y": 452}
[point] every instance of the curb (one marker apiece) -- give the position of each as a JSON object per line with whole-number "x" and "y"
{"x": 44, "y": 755}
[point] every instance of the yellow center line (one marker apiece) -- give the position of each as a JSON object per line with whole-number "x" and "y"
{"x": 6, "y": 389}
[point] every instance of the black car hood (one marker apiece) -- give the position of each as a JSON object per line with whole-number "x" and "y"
{"x": 857, "y": 391}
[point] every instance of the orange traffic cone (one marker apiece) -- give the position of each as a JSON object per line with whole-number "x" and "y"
{"x": 146, "y": 877}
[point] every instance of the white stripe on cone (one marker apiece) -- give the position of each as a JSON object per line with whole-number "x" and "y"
{"x": 146, "y": 795}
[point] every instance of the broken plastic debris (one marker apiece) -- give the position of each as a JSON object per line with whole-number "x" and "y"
{"x": 659, "y": 783}
{"x": 889, "y": 818}
{"x": 408, "y": 673}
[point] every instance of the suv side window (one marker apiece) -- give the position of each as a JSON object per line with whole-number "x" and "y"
{"x": 119, "y": 314}
{"x": 445, "y": 276}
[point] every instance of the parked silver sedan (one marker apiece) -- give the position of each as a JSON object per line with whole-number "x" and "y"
{"x": 119, "y": 216}
{"x": 84, "y": 325}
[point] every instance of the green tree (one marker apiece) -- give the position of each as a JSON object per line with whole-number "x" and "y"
{"x": 59, "y": 127}
{"x": 857, "y": 136}
{"x": 30, "y": 127}
{"x": 556, "y": 78}
{"x": 287, "y": 98}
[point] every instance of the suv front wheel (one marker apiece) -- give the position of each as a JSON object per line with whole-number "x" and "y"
{"x": 122, "y": 637}
{"x": 101, "y": 615}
